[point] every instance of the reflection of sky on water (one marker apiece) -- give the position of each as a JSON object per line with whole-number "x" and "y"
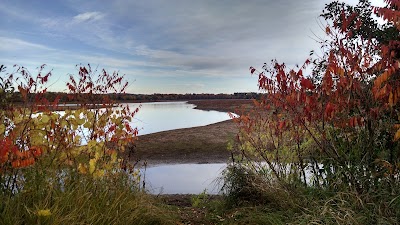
{"x": 179, "y": 178}
{"x": 161, "y": 116}
{"x": 183, "y": 178}
{"x": 193, "y": 178}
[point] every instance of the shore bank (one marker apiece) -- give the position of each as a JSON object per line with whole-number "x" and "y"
{"x": 204, "y": 144}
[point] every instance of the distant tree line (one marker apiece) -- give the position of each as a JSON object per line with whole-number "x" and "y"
{"x": 125, "y": 97}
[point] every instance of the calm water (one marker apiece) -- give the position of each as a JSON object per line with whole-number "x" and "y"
{"x": 183, "y": 178}
{"x": 178, "y": 178}
{"x": 190, "y": 178}
{"x": 161, "y": 116}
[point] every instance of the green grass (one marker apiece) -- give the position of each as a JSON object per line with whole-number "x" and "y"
{"x": 220, "y": 213}
{"x": 84, "y": 202}
{"x": 250, "y": 199}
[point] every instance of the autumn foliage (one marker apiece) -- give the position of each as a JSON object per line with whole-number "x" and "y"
{"x": 339, "y": 122}
{"x": 36, "y": 136}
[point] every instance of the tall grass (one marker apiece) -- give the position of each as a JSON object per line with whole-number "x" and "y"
{"x": 253, "y": 191}
{"x": 111, "y": 200}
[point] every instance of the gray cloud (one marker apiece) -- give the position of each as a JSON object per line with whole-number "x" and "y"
{"x": 190, "y": 33}
{"x": 181, "y": 38}
{"x": 197, "y": 35}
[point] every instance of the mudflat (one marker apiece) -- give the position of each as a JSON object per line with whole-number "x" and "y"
{"x": 204, "y": 144}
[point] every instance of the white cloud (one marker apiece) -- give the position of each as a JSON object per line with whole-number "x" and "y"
{"x": 88, "y": 16}
{"x": 14, "y": 44}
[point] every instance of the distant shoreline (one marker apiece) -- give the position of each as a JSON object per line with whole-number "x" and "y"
{"x": 221, "y": 105}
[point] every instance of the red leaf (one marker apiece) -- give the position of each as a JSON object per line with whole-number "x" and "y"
{"x": 261, "y": 80}
{"x": 281, "y": 125}
{"x": 252, "y": 70}
{"x": 329, "y": 110}
{"x": 306, "y": 83}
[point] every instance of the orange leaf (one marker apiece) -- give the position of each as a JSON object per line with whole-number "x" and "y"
{"x": 391, "y": 100}
{"x": 327, "y": 30}
{"x": 16, "y": 163}
{"x": 397, "y": 135}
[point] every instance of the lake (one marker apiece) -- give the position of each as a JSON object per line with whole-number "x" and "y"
{"x": 191, "y": 178}
{"x": 161, "y": 116}
{"x": 183, "y": 178}
{"x": 177, "y": 178}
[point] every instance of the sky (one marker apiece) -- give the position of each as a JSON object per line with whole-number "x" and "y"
{"x": 174, "y": 46}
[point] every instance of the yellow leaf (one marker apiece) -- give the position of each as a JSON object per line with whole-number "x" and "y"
{"x": 44, "y": 212}
{"x": 90, "y": 115}
{"x": 114, "y": 156}
{"x": 77, "y": 140}
{"x": 98, "y": 154}
{"x": 37, "y": 139}
{"x": 82, "y": 169}
{"x": 55, "y": 116}
{"x": 91, "y": 143}
{"x": 99, "y": 174}
{"x": 45, "y": 118}
{"x": 92, "y": 165}
{"x": 87, "y": 125}
{"x": 2, "y": 128}
{"x": 64, "y": 123}
{"x": 77, "y": 114}
{"x": 108, "y": 166}
{"x": 81, "y": 121}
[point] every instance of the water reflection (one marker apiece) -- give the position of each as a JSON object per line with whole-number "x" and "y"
{"x": 161, "y": 116}
{"x": 183, "y": 178}
{"x": 194, "y": 178}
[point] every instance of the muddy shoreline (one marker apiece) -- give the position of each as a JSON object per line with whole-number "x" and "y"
{"x": 204, "y": 144}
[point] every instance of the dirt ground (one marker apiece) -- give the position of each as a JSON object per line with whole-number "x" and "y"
{"x": 205, "y": 144}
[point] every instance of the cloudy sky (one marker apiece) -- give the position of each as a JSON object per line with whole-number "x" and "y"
{"x": 174, "y": 46}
